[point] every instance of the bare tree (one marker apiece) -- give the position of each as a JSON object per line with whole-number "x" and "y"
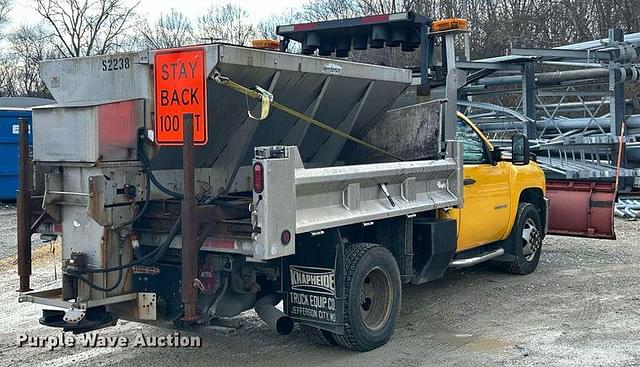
{"x": 228, "y": 23}
{"x": 86, "y": 27}
{"x": 30, "y": 44}
{"x": 318, "y": 10}
{"x": 5, "y": 8}
{"x": 370, "y": 7}
{"x": 8, "y": 76}
{"x": 267, "y": 27}
{"x": 170, "y": 30}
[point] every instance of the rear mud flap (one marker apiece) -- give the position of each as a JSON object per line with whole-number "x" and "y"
{"x": 581, "y": 208}
{"x": 313, "y": 281}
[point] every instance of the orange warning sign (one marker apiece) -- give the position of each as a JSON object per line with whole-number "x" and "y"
{"x": 180, "y": 87}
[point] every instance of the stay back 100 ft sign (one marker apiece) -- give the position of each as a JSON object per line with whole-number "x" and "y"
{"x": 180, "y": 88}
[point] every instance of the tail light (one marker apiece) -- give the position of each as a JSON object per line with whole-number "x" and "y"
{"x": 285, "y": 237}
{"x": 258, "y": 177}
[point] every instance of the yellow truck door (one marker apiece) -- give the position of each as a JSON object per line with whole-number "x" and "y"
{"x": 485, "y": 214}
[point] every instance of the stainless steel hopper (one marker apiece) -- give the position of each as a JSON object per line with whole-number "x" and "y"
{"x": 342, "y": 94}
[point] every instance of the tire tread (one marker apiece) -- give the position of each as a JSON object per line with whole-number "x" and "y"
{"x": 353, "y": 254}
{"x": 517, "y": 265}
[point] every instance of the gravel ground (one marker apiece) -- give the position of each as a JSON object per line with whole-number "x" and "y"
{"x": 580, "y": 308}
{"x": 7, "y": 230}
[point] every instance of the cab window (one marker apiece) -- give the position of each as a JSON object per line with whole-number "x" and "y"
{"x": 474, "y": 150}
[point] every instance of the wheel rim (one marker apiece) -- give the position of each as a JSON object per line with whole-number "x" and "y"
{"x": 376, "y": 298}
{"x": 531, "y": 240}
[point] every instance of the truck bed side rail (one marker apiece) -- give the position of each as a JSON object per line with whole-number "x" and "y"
{"x": 292, "y": 199}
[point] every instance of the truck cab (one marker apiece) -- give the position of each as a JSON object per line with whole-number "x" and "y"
{"x": 500, "y": 187}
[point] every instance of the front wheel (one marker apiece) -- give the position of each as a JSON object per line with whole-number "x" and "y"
{"x": 525, "y": 241}
{"x": 372, "y": 292}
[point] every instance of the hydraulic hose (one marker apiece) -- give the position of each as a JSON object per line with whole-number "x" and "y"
{"x": 147, "y": 166}
{"x": 212, "y": 305}
{"x": 144, "y": 206}
{"x": 150, "y": 178}
{"x": 99, "y": 288}
{"x": 154, "y": 255}
{"x": 150, "y": 258}
{"x": 174, "y": 194}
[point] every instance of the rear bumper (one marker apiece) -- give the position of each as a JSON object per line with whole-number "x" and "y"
{"x": 134, "y": 305}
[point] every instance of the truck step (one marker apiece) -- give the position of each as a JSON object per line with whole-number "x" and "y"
{"x": 463, "y": 263}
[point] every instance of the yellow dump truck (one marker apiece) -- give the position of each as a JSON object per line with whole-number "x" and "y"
{"x": 200, "y": 182}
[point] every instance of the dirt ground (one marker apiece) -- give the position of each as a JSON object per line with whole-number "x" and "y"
{"x": 7, "y": 230}
{"x": 580, "y": 308}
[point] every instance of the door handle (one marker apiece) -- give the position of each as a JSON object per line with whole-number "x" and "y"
{"x": 469, "y": 181}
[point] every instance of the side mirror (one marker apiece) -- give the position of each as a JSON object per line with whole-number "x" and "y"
{"x": 520, "y": 150}
{"x": 496, "y": 155}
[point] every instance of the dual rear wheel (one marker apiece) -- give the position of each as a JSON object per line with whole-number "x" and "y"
{"x": 373, "y": 286}
{"x": 373, "y": 292}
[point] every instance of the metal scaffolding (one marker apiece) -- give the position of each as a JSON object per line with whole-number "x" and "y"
{"x": 570, "y": 102}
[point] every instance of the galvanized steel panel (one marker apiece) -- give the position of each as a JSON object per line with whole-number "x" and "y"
{"x": 300, "y": 81}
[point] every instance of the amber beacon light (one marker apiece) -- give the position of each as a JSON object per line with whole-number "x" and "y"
{"x": 449, "y": 24}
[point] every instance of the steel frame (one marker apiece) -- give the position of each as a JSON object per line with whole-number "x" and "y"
{"x": 589, "y": 84}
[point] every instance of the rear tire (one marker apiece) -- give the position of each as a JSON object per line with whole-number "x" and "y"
{"x": 525, "y": 241}
{"x": 372, "y": 297}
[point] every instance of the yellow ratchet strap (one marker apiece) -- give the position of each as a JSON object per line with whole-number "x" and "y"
{"x": 265, "y": 99}
{"x": 262, "y": 95}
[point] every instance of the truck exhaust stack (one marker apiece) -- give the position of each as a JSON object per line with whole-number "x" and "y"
{"x": 273, "y": 317}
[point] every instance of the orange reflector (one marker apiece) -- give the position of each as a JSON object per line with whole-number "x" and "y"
{"x": 266, "y": 44}
{"x": 449, "y": 24}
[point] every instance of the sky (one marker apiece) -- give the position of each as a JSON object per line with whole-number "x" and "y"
{"x": 258, "y": 9}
